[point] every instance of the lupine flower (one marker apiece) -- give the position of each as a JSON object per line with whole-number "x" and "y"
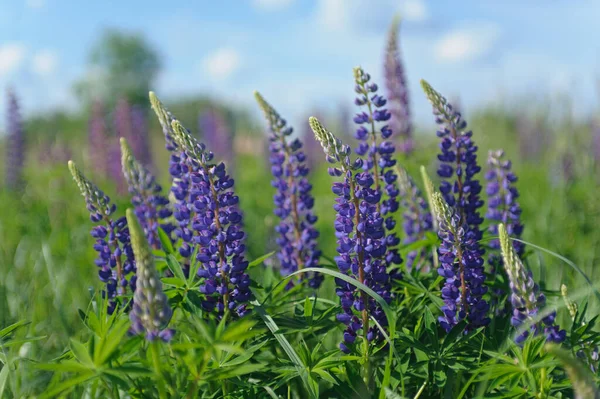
{"x": 461, "y": 265}
{"x": 525, "y": 297}
{"x": 461, "y": 256}
{"x": 417, "y": 217}
{"x": 151, "y": 207}
{"x": 397, "y": 91}
{"x": 216, "y": 134}
{"x": 293, "y": 201}
{"x": 151, "y": 312}
{"x": 116, "y": 262}
{"x": 15, "y": 148}
{"x": 216, "y": 233}
{"x": 140, "y": 138}
{"x": 360, "y": 238}
{"x": 378, "y": 153}
{"x": 502, "y": 204}
{"x": 98, "y": 140}
{"x": 181, "y": 172}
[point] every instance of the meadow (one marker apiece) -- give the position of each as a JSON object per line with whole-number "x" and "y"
{"x": 252, "y": 304}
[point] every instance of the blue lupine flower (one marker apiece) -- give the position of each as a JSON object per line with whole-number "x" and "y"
{"x": 464, "y": 273}
{"x": 525, "y": 297}
{"x": 293, "y": 201}
{"x": 15, "y": 148}
{"x": 361, "y": 240}
{"x": 151, "y": 312}
{"x": 151, "y": 207}
{"x": 116, "y": 261}
{"x": 397, "y": 91}
{"x": 378, "y": 153}
{"x": 417, "y": 219}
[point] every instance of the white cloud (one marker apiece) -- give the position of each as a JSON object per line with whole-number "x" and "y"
{"x": 414, "y": 10}
{"x": 35, "y": 4}
{"x": 44, "y": 62}
{"x": 11, "y": 57}
{"x": 467, "y": 44}
{"x": 222, "y": 64}
{"x": 272, "y": 4}
{"x": 333, "y": 15}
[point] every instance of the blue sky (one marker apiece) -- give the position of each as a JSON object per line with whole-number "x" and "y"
{"x": 300, "y": 54}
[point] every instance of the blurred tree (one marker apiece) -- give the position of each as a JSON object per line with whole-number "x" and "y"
{"x": 121, "y": 65}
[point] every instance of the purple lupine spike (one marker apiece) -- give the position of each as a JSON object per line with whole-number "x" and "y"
{"x": 461, "y": 264}
{"x": 417, "y": 219}
{"x": 15, "y": 148}
{"x": 525, "y": 297}
{"x": 361, "y": 240}
{"x": 98, "y": 140}
{"x": 293, "y": 200}
{"x": 216, "y": 134}
{"x": 122, "y": 120}
{"x": 397, "y": 91}
{"x": 378, "y": 153}
{"x": 151, "y": 207}
{"x": 115, "y": 261}
{"x": 140, "y": 137}
{"x": 151, "y": 312}
{"x": 503, "y": 206}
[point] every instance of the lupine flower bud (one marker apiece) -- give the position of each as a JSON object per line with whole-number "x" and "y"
{"x": 151, "y": 207}
{"x": 115, "y": 260}
{"x": 217, "y": 135}
{"x": 417, "y": 217}
{"x": 571, "y": 306}
{"x": 462, "y": 258}
{"x": 15, "y": 148}
{"x": 379, "y": 157}
{"x": 361, "y": 240}
{"x": 525, "y": 297}
{"x": 151, "y": 312}
{"x": 462, "y": 267}
{"x": 293, "y": 200}
{"x": 397, "y": 91}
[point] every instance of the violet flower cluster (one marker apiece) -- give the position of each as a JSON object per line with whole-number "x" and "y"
{"x": 526, "y": 299}
{"x": 297, "y": 239}
{"x": 216, "y": 234}
{"x": 216, "y": 134}
{"x": 502, "y": 204}
{"x": 361, "y": 240}
{"x": 151, "y": 312}
{"x": 378, "y": 153}
{"x": 417, "y": 219}
{"x": 15, "y": 148}
{"x": 397, "y": 91}
{"x": 115, "y": 261}
{"x": 461, "y": 256}
{"x": 151, "y": 207}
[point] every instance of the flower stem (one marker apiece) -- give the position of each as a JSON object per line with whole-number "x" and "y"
{"x": 155, "y": 352}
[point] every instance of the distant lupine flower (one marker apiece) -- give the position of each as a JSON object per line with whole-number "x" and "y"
{"x": 360, "y": 238}
{"x": 462, "y": 258}
{"x": 293, "y": 201}
{"x": 98, "y": 140}
{"x": 151, "y": 207}
{"x": 502, "y": 204}
{"x": 181, "y": 172}
{"x": 417, "y": 217}
{"x": 216, "y": 223}
{"x": 216, "y": 134}
{"x": 15, "y": 148}
{"x": 115, "y": 260}
{"x": 378, "y": 153}
{"x": 140, "y": 137}
{"x": 397, "y": 91}
{"x": 525, "y": 297}
{"x": 151, "y": 312}
{"x": 461, "y": 265}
